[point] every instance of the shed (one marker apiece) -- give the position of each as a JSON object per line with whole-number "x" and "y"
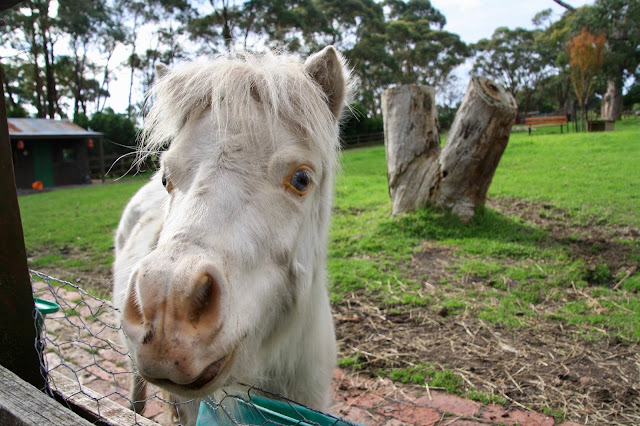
{"x": 54, "y": 152}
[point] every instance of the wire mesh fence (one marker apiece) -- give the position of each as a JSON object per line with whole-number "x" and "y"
{"x": 86, "y": 363}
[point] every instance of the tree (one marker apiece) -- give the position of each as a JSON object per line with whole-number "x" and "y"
{"x": 14, "y": 93}
{"x": 565, "y": 5}
{"x": 358, "y": 29}
{"x": 219, "y": 25}
{"x": 31, "y": 29}
{"x": 551, "y": 42}
{"x": 287, "y": 24}
{"x": 425, "y": 53}
{"x": 84, "y": 21}
{"x": 586, "y": 57}
{"x": 139, "y": 12}
{"x": 620, "y": 21}
{"x": 513, "y": 59}
{"x": 390, "y": 43}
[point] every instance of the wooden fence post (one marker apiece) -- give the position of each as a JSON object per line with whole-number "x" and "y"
{"x": 17, "y": 330}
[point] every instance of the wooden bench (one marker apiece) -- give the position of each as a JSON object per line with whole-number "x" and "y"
{"x": 553, "y": 120}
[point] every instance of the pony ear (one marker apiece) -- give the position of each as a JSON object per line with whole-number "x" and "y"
{"x": 161, "y": 70}
{"x": 326, "y": 69}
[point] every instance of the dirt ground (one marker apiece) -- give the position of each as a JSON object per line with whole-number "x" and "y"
{"x": 548, "y": 367}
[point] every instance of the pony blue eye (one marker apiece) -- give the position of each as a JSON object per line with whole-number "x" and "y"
{"x": 301, "y": 180}
{"x": 166, "y": 182}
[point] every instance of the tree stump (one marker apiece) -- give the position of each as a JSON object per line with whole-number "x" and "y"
{"x": 412, "y": 144}
{"x": 458, "y": 176}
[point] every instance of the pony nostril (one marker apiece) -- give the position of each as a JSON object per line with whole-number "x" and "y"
{"x": 132, "y": 312}
{"x": 205, "y": 299}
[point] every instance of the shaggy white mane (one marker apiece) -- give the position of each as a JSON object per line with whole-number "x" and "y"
{"x": 233, "y": 85}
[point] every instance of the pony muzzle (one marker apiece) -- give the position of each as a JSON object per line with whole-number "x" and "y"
{"x": 171, "y": 319}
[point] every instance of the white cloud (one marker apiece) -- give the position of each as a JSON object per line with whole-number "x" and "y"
{"x": 475, "y": 19}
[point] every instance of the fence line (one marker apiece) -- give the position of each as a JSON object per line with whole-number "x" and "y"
{"x": 363, "y": 139}
{"x": 85, "y": 362}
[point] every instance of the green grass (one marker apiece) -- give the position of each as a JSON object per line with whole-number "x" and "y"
{"x": 486, "y": 398}
{"x": 590, "y": 179}
{"x": 352, "y": 361}
{"x": 74, "y": 228}
{"x": 593, "y": 175}
{"x": 519, "y": 269}
{"x": 427, "y": 373}
{"x": 500, "y": 269}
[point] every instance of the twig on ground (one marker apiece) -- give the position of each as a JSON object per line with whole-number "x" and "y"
{"x": 629, "y": 273}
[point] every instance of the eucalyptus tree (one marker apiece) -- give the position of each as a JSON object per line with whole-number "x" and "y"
{"x": 85, "y": 22}
{"x": 424, "y": 51}
{"x": 393, "y": 42}
{"x": 619, "y": 20}
{"x": 110, "y": 37}
{"x": 282, "y": 24}
{"x": 514, "y": 59}
{"x": 216, "y": 27}
{"x": 358, "y": 29}
{"x": 141, "y": 12}
{"x": 18, "y": 89}
{"x": 552, "y": 42}
{"x": 31, "y": 32}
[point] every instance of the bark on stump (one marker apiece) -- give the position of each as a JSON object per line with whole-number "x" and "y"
{"x": 412, "y": 144}
{"x": 458, "y": 177}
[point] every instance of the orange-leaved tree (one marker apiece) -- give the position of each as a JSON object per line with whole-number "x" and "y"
{"x": 586, "y": 57}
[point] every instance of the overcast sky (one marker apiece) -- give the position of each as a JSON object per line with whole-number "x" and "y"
{"x": 471, "y": 19}
{"x": 477, "y": 19}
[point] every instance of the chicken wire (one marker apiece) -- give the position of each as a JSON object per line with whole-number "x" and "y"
{"x": 82, "y": 343}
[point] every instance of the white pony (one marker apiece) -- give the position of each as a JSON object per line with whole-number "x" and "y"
{"x": 220, "y": 260}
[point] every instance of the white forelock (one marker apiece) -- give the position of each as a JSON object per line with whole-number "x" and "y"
{"x": 232, "y": 85}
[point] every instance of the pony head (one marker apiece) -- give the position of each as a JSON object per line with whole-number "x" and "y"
{"x": 231, "y": 274}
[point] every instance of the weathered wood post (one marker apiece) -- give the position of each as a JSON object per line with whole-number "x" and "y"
{"x": 17, "y": 330}
{"x": 458, "y": 176}
{"x": 412, "y": 144}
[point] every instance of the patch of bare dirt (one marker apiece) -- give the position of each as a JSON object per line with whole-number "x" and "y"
{"x": 595, "y": 243}
{"x": 545, "y": 367}
{"x": 95, "y": 279}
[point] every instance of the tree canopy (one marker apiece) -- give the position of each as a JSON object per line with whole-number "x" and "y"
{"x": 62, "y": 63}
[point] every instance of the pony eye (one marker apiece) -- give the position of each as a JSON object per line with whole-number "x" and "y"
{"x": 166, "y": 182}
{"x": 300, "y": 181}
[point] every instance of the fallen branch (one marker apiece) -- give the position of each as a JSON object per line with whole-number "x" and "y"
{"x": 629, "y": 273}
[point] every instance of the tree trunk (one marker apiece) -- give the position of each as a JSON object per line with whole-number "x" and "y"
{"x": 104, "y": 86}
{"x": 412, "y": 144}
{"x": 458, "y": 176}
{"x": 132, "y": 62}
{"x": 477, "y": 138}
{"x": 49, "y": 59}
{"x": 612, "y": 101}
{"x": 37, "y": 77}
